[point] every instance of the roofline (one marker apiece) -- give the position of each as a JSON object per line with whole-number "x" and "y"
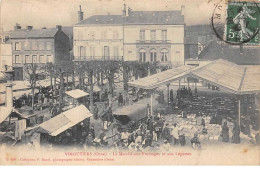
{"x": 32, "y": 37}
{"x": 123, "y": 24}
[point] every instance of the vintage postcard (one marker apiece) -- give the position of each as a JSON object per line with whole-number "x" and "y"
{"x": 129, "y": 82}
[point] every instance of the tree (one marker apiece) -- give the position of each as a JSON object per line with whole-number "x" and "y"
{"x": 31, "y": 74}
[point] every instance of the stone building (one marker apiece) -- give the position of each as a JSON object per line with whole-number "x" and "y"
{"x": 35, "y": 46}
{"x": 144, "y": 36}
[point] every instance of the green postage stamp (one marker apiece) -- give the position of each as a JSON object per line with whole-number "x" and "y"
{"x": 242, "y": 25}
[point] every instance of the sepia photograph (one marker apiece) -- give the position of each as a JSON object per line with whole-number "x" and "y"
{"x": 128, "y": 82}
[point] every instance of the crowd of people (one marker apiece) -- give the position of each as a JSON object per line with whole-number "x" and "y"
{"x": 155, "y": 133}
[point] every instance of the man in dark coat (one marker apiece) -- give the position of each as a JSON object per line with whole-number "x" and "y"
{"x": 236, "y": 133}
{"x": 171, "y": 96}
{"x": 95, "y": 111}
{"x": 92, "y": 132}
{"x": 225, "y": 133}
{"x": 166, "y": 133}
{"x": 120, "y": 100}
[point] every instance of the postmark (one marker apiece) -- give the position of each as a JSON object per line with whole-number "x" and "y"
{"x": 236, "y": 23}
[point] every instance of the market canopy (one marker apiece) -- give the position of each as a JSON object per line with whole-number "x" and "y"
{"x": 76, "y": 93}
{"x": 161, "y": 78}
{"x": 238, "y": 79}
{"x": 65, "y": 120}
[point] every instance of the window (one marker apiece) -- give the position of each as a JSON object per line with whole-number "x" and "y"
{"x": 48, "y": 46}
{"x": 153, "y": 55}
{"x": 142, "y": 55}
{"x": 34, "y": 46}
{"x": 27, "y": 45}
{"x": 28, "y": 59}
{"x": 17, "y": 46}
{"x": 92, "y": 52}
{"x": 142, "y": 35}
{"x": 17, "y": 59}
{"x": 34, "y": 59}
{"x": 82, "y": 52}
{"x": 41, "y": 46}
{"x": 41, "y": 59}
{"x": 116, "y": 52}
{"x": 106, "y": 52}
{"x": 164, "y": 55}
{"x": 164, "y": 35}
{"x": 115, "y": 35}
{"x": 153, "y": 35}
{"x": 49, "y": 58}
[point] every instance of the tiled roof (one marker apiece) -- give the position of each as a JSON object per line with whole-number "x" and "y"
{"x": 34, "y": 33}
{"x": 191, "y": 40}
{"x": 203, "y": 29}
{"x": 138, "y": 17}
{"x": 214, "y": 50}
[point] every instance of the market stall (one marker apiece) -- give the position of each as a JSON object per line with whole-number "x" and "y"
{"x": 77, "y": 95}
{"x": 65, "y": 121}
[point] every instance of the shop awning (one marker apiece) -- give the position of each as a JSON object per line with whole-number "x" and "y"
{"x": 65, "y": 120}
{"x": 76, "y": 93}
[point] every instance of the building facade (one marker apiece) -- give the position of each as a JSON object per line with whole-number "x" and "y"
{"x": 38, "y": 46}
{"x": 144, "y": 36}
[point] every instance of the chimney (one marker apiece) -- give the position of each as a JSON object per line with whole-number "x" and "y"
{"x": 29, "y": 27}
{"x": 183, "y": 10}
{"x": 80, "y": 14}
{"x": 125, "y": 11}
{"x": 9, "y": 88}
{"x": 241, "y": 49}
{"x": 59, "y": 27}
{"x": 17, "y": 26}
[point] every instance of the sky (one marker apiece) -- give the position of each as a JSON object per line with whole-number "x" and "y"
{"x": 49, "y": 13}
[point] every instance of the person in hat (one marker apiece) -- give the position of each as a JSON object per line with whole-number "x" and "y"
{"x": 166, "y": 133}
{"x": 147, "y": 139}
{"x": 195, "y": 143}
{"x": 182, "y": 138}
{"x": 159, "y": 127}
